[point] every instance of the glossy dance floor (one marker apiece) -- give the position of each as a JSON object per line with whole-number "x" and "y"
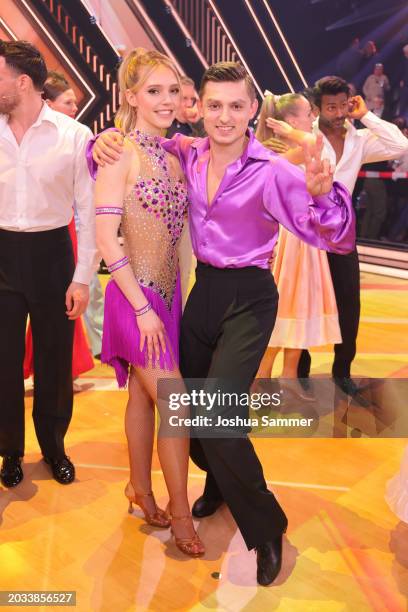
{"x": 344, "y": 549}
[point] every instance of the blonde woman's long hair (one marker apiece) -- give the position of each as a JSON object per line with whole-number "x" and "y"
{"x": 278, "y": 107}
{"x": 136, "y": 67}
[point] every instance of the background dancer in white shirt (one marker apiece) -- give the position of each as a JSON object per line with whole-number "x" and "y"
{"x": 42, "y": 171}
{"x": 348, "y": 149}
{"x": 60, "y": 97}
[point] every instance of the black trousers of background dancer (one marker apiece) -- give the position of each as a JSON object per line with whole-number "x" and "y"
{"x": 226, "y": 326}
{"x": 345, "y": 273}
{"x": 36, "y": 269}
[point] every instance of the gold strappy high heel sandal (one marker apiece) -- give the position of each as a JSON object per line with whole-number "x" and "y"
{"x": 193, "y": 547}
{"x": 158, "y": 519}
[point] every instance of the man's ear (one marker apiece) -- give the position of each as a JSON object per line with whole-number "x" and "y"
{"x": 24, "y": 82}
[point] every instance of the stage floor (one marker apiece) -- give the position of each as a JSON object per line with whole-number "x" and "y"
{"x": 344, "y": 549}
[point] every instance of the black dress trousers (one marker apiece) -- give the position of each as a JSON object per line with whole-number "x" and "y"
{"x": 345, "y": 274}
{"x": 36, "y": 269}
{"x": 225, "y": 329}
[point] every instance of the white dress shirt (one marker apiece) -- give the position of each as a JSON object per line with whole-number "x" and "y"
{"x": 401, "y": 164}
{"x": 378, "y": 141}
{"x": 42, "y": 177}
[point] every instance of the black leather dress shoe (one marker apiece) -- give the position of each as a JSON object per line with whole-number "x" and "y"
{"x": 268, "y": 561}
{"x": 63, "y": 469}
{"x": 203, "y": 507}
{"x": 11, "y": 473}
{"x": 349, "y": 387}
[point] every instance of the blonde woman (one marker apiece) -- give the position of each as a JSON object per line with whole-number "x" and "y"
{"x": 307, "y": 311}
{"x": 145, "y": 192}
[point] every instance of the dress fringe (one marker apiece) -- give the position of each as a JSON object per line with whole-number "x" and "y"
{"x": 121, "y": 335}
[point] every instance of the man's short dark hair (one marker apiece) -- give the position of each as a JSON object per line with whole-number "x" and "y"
{"x": 329, "y": 86}
{"x": 309, "y": 94}
{"x": 226, "y": 72}
{"x": 22, "y": 57}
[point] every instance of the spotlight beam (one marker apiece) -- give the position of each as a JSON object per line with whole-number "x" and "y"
{"x": 268, "y": 44}
{"x": 285, "y": 42}
{"x": 8, "y": 30}
{"x": 241, "y": 57}
{"x": 156, "y": 33}
{"x": 187, "y": 34}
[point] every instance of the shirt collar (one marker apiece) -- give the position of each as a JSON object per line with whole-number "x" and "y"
{"x": 253, "y": 150}
{"x": 46, "y": 114}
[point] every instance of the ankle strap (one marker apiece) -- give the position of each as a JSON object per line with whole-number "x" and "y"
{"x": 144, "y": 494}
{"x": 150, "y": 494}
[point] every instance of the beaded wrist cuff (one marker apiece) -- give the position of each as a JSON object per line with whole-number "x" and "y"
{"x": 116, "y": 265}
{"x": 108, "y": 210}
{"x": 143, "y": 310}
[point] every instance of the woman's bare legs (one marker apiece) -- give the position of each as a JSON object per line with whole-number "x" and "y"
{"x": 290, "y": 371}
{"x": 139, "y": 427}
{"x": 266, "y": 366}
{"x": 173, "y": 455}
{"x": 290, "y": 362}
{"x": 290, "y": 365}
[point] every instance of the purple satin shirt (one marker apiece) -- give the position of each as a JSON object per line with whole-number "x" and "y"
{"x": 258, "y": 191}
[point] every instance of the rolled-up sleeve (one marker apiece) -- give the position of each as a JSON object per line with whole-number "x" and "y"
{"x": 326, "y": 222}
{"x": 382, "y": 140}
{"x": 92, "y": 165}
{"x": 88, "y": 257}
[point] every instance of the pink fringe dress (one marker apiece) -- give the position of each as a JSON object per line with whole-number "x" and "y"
{"x": 152, "y": 223}
{"x": 307, "y": 311}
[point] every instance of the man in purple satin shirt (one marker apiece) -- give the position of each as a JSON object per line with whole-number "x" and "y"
{"x": 239, "y": 193}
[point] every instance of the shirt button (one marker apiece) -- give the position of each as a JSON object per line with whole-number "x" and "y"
{"x": 203, "y": 243}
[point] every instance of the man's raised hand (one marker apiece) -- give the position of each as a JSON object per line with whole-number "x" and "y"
{"x": 319, "y": 174}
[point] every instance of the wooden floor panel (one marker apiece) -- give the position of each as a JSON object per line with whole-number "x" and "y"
{"x": 344, "y": 549}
